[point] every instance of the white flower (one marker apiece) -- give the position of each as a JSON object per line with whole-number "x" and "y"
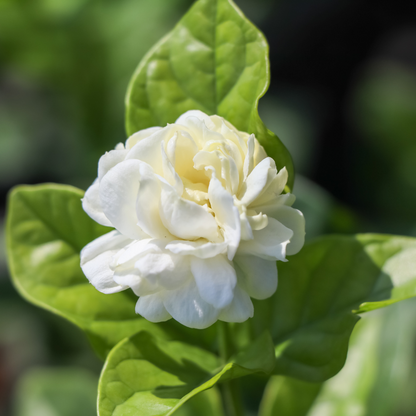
{"x": 200, "y": 221}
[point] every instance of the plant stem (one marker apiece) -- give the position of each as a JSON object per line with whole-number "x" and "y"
{"x": 230, "y": 390}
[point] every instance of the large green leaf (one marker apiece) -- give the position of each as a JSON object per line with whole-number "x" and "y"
{"x": 149, "y": 376}
{"x": 377, "y": 368}
{"x": 288, "y": 396}
{"x": 214, "y": 60}
{"x": 46, "y": 230}
{"x": 321, "y": 290}
{"x": 372, "y": 381}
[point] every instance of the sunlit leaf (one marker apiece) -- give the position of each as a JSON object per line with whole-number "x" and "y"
{"x": 214, "y": 60}
{"x": 46, "y": 230}
{"x": 148, "y": 376}
{"x": 321, "y": 291}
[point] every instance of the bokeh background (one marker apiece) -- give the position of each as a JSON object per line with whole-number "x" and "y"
{"x": 343, "y": 100}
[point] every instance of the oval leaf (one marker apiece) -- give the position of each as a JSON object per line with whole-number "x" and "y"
{"x": 377, "y": 370}
{"x": 46, "y": 229}
{"x": 321, "y": 291}
{"x": 215, "y": 60}
{"x": 148, "y": 376}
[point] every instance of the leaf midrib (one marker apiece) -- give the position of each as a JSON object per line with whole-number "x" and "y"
{"x": 47, "y": 224}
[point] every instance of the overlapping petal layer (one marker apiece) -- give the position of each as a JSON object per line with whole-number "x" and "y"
{"x": 200, "y": 221}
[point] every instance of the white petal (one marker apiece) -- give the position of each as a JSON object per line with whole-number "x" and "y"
{"x": 140, "y": 135}
{"x": 148, "y": 203}
{"x": 109, "y": 160}
{"x": 259, "y": 153}
{"x": 186, "y": 119}
{"x": 187, "y": 307}
{"x": 200, "y": 248}
{"x": 270, "y": 206}
{"x": 139, "y": 284}
{"x": 186, "y": 219}
{"x": 96, "y": 258}
{"x": 151, "y": 307}
{"x": 269, "y": 243}
{"x": 118, "y": 194}
{"x": 170, "y": 270}
{"x": 257, "y": 181}
{"x": 206, "y": 162}
{"x": 181, "y": 150}
{"x": 257, "y": 221}
{"x": 259, "y": 275}
{"x": 248, "y": 160}
{"x": 226, "y": 214}
{"x": 240, "y": 309}
{"x": 294, "y": 220}
{"x": 246, "y": 231}
{"x": 129, "y": 254}
{"x": 92, "y": 205}
{"x": 169, "y": 173}
{"x": 272, "y": 190}
{"x": 215, "y": 279}
{"x": 110, "y": 241}
{"x": 148, "y": 149}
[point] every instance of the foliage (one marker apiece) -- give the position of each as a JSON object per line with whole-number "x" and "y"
{"x": 217, "y": 61}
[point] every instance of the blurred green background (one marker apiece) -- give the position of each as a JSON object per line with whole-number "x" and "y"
{"x": 343, "y": 100}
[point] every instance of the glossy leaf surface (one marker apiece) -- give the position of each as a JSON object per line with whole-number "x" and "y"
{"x": 46, "y": 230}
{"x": 215, "y": 60}
{"x": 321, "y": 291}
{"x": 150, "y": 376}
{"x": 373, "y": 380}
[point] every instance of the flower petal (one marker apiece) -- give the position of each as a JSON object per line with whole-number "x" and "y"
{"x": 259, "y": 275}
{"x": 118, "y": 194}
{"x": 240, "y": 309}
{"x": 200, "y": 248}
{"x": 187, "y": 119}
{"x": 109, "y": 160}
{"x": 184, "y": 218}
{"x": 129, "y": 254}
{"x": 169, "y": 172}
{"x": 168, "y": 269}
{"x": 215, "y": 278}
{"x": 187, "y": 307}
{"x": 140, "y": 285}
{"x": 294, "y": 220}
{"x": 148, "y": 149}
{"x": 151, "y": 308}
{"x": 92, "y": 205}
{"x": 96, "y": 258}
{"x": 248, "y": 160}
{"x": 272, "y": 190}
{"x": 269, "y": 243}
{"x": 181, "y": 150}
{"x": 140, "y": 135}
{"x": 148, "y": 202}
{"x": 257, "y": 181}
{"x": 226, "y": 214}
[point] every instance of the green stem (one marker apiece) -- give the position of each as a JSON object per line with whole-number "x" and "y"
{"x": 230, "y": 390}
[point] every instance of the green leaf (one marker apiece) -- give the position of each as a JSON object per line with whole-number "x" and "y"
{"x": 46, "y": 230}
{"x": 215, "y": 60}
{"x": 288, "y": 396}
{"x": 372, "y": 381}
{"x": 156, "y": 377}
{"x": 321, "y": 290}
{"x": 377, "y": 368}
{"x": 206, "y": 403}
{"x": 56, "y": 392}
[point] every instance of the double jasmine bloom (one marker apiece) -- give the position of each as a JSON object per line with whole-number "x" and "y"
{"x": 200, "y": 221}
